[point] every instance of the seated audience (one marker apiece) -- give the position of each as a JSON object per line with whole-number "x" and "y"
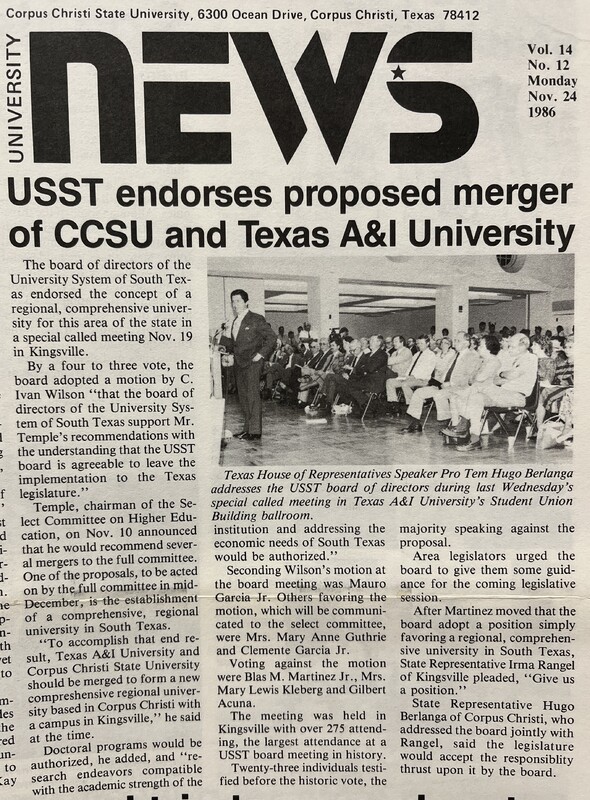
{"x": 510, "y": 388}
{"x": 288, "y": 380}
{"x": 313, "y": 375}
{"x": 369, "y": 377}
{"x": 553, "y": 391}
{"x": 418, "y": 373}
{"x": 489, "y": 369}
{"x": 334, "y": 384}
{"x": 460, "y": 373}
{"x": 461, "y": 377}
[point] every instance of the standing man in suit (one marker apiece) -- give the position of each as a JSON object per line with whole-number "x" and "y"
{"x": 251, "y": 340}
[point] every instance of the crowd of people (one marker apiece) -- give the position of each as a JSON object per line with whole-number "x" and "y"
{"x": 396, "y": 375}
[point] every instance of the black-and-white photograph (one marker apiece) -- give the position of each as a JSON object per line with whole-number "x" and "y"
{"x": 395, "y": 359}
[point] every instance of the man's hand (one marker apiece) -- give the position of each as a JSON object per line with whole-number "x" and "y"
{"x": 257, "y": 357}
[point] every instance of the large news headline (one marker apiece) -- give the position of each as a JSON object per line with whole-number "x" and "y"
{"x": 373, "y": 226}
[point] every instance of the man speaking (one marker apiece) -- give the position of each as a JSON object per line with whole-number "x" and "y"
{"x": 251, "y": 340}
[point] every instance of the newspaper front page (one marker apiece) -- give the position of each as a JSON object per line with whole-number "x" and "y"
{"x": 289, "y": 504}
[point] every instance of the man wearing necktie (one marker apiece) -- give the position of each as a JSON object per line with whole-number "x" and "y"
{"x": 369, "y": 377}
{"x": 334, "y": 384}
{"x": 251, "y": 340}
{"x": 460, "y": 373}
{"x": 418, "y": 374}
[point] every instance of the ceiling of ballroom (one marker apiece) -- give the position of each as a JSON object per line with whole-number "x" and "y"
{"x": 370, "y": 297}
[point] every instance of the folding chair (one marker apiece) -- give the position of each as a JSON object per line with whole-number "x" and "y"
{"x": 276, "y": 391}
{"x": 372, "y": 397}
{"x": 316, "y": 396}
{"x": 379, "y": 393}
{"x": 526, "y": 413}
{"x": 430, "y": 404}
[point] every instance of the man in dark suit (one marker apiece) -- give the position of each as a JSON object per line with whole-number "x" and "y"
{"x": 274, "y": 368}
{"x": 337, "y": 384}
{"x": 369, "y": 375}
{"x": 251, "y": 340}
{"x": 289, "y": 377}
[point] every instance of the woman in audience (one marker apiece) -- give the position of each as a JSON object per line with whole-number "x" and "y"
{"x": 555, "y": 367}
{"x": 541, "y": 347}
{"x": 553, "y": 392}
{"x": 505, "y": 354}
{"x": 444, "y": 358}
{"x": 489, "y": 347}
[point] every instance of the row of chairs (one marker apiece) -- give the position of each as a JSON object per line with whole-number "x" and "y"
{"x": 526, "y": 414}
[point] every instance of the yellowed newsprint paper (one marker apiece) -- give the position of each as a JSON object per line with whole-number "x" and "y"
{"x": 293, "y": 470}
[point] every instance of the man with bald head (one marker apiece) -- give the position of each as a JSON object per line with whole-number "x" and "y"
{"x": 369, "y": 376}
{"x": 337, "y": 383}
